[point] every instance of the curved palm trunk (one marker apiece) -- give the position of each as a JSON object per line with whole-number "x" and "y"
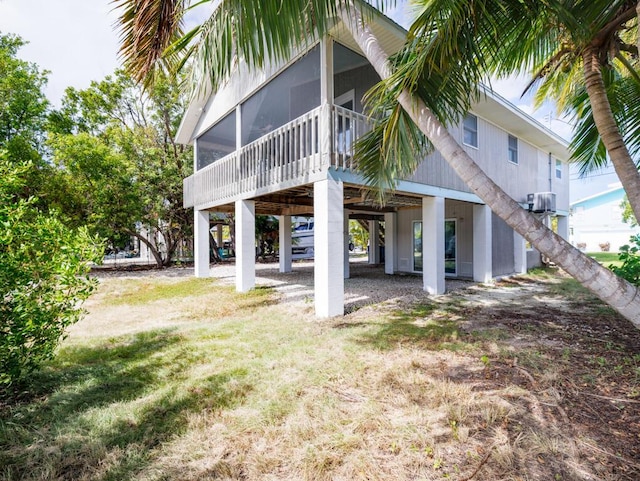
{"x": 616, "y": 292}
{"x": 609, "y": 131}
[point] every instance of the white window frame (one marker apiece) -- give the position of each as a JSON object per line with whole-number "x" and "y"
{"x": 558, "y": 169}
{"x": 474, "y": 131}
{"x": 510, "y": 149}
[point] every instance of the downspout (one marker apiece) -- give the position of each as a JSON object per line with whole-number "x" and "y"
{"x": 550, "y": 176}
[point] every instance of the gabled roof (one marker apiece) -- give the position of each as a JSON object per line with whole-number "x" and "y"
{"x": 492, "y": 106}
{"x": 599, "y": 195}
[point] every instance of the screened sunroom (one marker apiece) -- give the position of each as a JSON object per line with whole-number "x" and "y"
{"x": 282, "y": 133}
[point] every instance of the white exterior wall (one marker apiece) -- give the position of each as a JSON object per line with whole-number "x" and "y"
{"x": 529, "y": 175}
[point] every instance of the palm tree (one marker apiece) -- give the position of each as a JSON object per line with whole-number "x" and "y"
{"x": 571, "y": 46}
{"x": 258, "y": 31}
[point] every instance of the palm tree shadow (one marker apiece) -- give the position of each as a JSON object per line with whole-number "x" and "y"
{"x": 136, "y": 381}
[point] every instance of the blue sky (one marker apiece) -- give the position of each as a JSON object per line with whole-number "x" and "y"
{"x": 76, "y": 42}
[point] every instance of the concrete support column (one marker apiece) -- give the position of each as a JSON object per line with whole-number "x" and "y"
{"x": 219, "y": 239}
{"x": 245, "y": 245}
{"x": 201, "y": 243}
{"x": 347, "y": 272}
{"x": 519, "y": 254}
{"x": 433, "y": 245}
{"x": 328, "y": 214}
{"x": 284, "y": 239}
{"x": 374, "y": 242}
{"x": 482, "y": 253}
{"x": 390, "y": 240}
{"x": 563, "y": 227}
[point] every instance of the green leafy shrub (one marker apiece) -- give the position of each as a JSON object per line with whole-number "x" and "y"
{"x": 630, "y": 257}
{"x": 43, "y": 277}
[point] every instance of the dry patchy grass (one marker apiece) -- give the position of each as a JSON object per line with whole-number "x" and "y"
{"x": 184, "y": 379}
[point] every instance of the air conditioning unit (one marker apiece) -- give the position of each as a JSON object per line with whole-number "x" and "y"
{"x": 542, "y": 202}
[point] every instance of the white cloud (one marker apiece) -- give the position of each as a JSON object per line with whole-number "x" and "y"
{"x": 73, "y": 39}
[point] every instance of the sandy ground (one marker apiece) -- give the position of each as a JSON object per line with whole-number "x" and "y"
{"x": 367, "y": 284}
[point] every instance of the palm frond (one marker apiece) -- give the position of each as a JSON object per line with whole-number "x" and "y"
{"x": 147, "y": 28}
{"x": 587, "y": 148}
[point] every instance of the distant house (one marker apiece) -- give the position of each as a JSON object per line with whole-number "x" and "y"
{"x": 597, "y": 220}
{"x": 279, "y": 142}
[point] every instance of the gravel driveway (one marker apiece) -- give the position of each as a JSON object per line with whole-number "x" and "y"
{"x": 367, "y": 284}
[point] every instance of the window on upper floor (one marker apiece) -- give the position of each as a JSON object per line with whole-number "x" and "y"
{"x": 558, "y": 169}
{"x": 217, "y": 142}
{"x": 513, "y": 149}
{"x": 470, "y": 130}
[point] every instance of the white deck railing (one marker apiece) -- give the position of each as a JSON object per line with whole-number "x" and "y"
{"x": 286, "y": 156}
{"x": 347, "y": 127}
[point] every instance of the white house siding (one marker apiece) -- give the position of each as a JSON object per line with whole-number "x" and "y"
{"x": 530, "y": 175}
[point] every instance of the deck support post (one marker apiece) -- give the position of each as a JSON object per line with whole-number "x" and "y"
{"x": 374, "y": 242}
{"x": 563, "y": 226}
{"x": 390, "y": 219}
{"x": 519, "y": 254}
{"x": 347, "y": 239}
{"x": 328, "y": 213}
{"x": 201, "y": 243}
{"x": 482, "y": 243}
{"x": 284, "y": 240}
{"x": 433, "y": 245}
{"x": 245, "y": 245}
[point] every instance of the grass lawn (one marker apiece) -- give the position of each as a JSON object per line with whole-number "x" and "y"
{"x": 184, "y": 379}
{"x": 606, "y": 258}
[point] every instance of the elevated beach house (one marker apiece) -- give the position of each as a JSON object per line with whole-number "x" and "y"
{"x": 279, "y": 141}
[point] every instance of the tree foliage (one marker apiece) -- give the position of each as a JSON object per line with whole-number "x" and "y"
{"x": 23, "y": 106}
{"x": 627, "y": 213}
{"x": 43, "y": 276}
{"x": 122, "y": 169}
{"x": 630, "y": 256}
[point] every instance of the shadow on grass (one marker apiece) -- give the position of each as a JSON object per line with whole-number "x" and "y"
{"x": 417, "y": 326}
{"x": 99, "y": 412}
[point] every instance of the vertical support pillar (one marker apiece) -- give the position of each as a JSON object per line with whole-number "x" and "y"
{"x": 245, "y": 245}
{"x": 433, "y": 245}
{"x": 285, "y": 252}
{"x": 238, "y": 128}
{"x": 374, "y": 242}
{"x": 347, "y": 271}
{"x": 326, "y": 99}
{"x": 328, "y": 214}
{"x": 390, "y": 219}
{"x": 563, "y": 227}
{"x": 482, "y": 245}
{"x": 201, "y": 243}
{"x": 519, "y": 254}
